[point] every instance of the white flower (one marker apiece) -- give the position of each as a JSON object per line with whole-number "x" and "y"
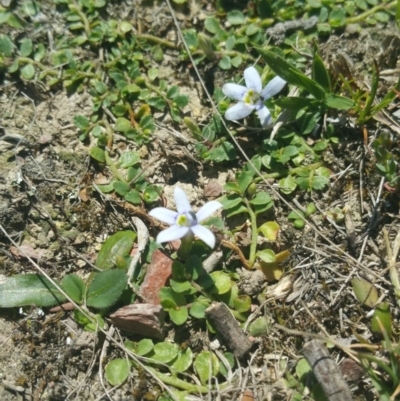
{"x": 252, "y": 96}
{"x": 185, "y": 220}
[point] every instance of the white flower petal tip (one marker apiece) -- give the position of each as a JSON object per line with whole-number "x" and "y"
{"x": 171, "y": 234}
{"x": 207, "y": 210}
{"x": 181, "y": 201}
{"x": 273, "y": 87}
{"x": 163, "y": 214}
{"x": 205, "y": 235}
{"x": 252, "y": 79}
{"x": 265, "y": 117}
{"x": 234, "y": 91}
{"x": 238, "y": 111}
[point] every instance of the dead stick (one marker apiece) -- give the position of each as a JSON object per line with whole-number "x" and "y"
{"x": 326, "y": 371}
{"x": 226, "y": 325}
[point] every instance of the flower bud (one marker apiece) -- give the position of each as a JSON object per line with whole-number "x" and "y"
{"x": 206, "y": 46}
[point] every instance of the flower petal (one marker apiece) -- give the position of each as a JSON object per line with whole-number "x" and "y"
{"x": 171, "y": 234}
{"x": 204, "y": 234}
{"x": 234, "y": 91}
{"x": 273, "y": 87}
{"x": 253, "y": 79}
{"x": 181, "y": 201}
{"x": 207, "y": 210}
{"x": 265, "y": 116}
{"x": 163, "y": 214}
{"x": 238, "y": 111}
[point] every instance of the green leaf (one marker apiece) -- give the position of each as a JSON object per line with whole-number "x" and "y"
{"x": 28, "y": 71}
{"x": 225, "y": 63}
{"x": 222, "y": 281}
{"x": 236, "y": 61}
{"x": 157, "y": 53}
{"x": 203, "y": 362}
{"x": 94, "y": 327}
{"x": 258, "y": 327}
{"x": 121, "y": 187}
{"x": 190, "y": 37}
{"x": 105, "y": 288}
{"x": 81, "y": 122}
{"x": 339, "y": 102}
{"x": 244, "y": 180}
{"x": 236, "y": 17}
{"x": 197, "y": 310}
{"x": 230, "y": 296}
{"x": 117, "y": 371}
{"x": 144, "y": 347}
{"x": 294, "y": 103}
{"x": 128, "y": 159}
{"x": 266, "y": 255}
{"x": 74, "y": 286}
{"x": 151, "y": 193}
{"x": 179, "y": 316}
{"x": 133, "y": 197}
{"x": 26, "y": 47}
{"x": 365, "y": 291}
{"x": 252, "y": 29}
{"x": 270, "y": 230}
{"x": 302, "y": 368}
{"x": 231, "y": 201}
{"x": 261, "y": 198}
{"x": 337, "y": 17}
{"x": 118, "y": 245}
{"x": 225, "y": 152}
{"x": 382, "y": 320}
{"x": 211, "y": 24}
{"x": 170, "y": 299}
{"x": 230, "y": 358}
{"x": 15, "y": 22}
{"x": 295, "y": 215}
{"x": 29, "y": 289}
{"x": 237, "y": 210}
{"x": 319, "y": 183}
{"x": 287, "y": 185}
{"x": 180, "y": 286}
{"x": 97, "y": 154}
{"x": 242, "y": 303}
{"x": 232, "y": 187}
{"x": 320, "y": 146}
{"x": 6, "y": 45}
{"x": 184, "y": 361}
{"x": 122, "y": 124}
{"x": 291, "y": 74}
{"x": 165, "y": 352}
{"x": 320, "y": 73}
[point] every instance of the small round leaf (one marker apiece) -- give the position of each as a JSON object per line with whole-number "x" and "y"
{"x": 117, "y": 371}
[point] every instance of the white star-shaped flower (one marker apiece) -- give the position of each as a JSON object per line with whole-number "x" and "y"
{"x": 252, "y": 97}
{"x": 185, "y": 220}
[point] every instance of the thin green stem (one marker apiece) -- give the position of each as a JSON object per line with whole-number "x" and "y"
{"x": 186, "y": 246}
{"x": 86, "y": 26}
{"x": 178, "y": 383}
{"x": 371, "y": 11}
{"x": 155, "y": 39}
{"x": 365, "y": 113}
{"x": 254, "y": 233}
{"x": 157, "y": 91}
{"x": 291, "y": 171}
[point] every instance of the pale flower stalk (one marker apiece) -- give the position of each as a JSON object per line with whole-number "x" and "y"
{"x": 252, "y": 97}
{"x": 185, "y": 222}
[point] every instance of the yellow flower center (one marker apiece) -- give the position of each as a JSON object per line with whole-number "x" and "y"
{"x": 186, "y": 220}
{"x": 251, "y": 97}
